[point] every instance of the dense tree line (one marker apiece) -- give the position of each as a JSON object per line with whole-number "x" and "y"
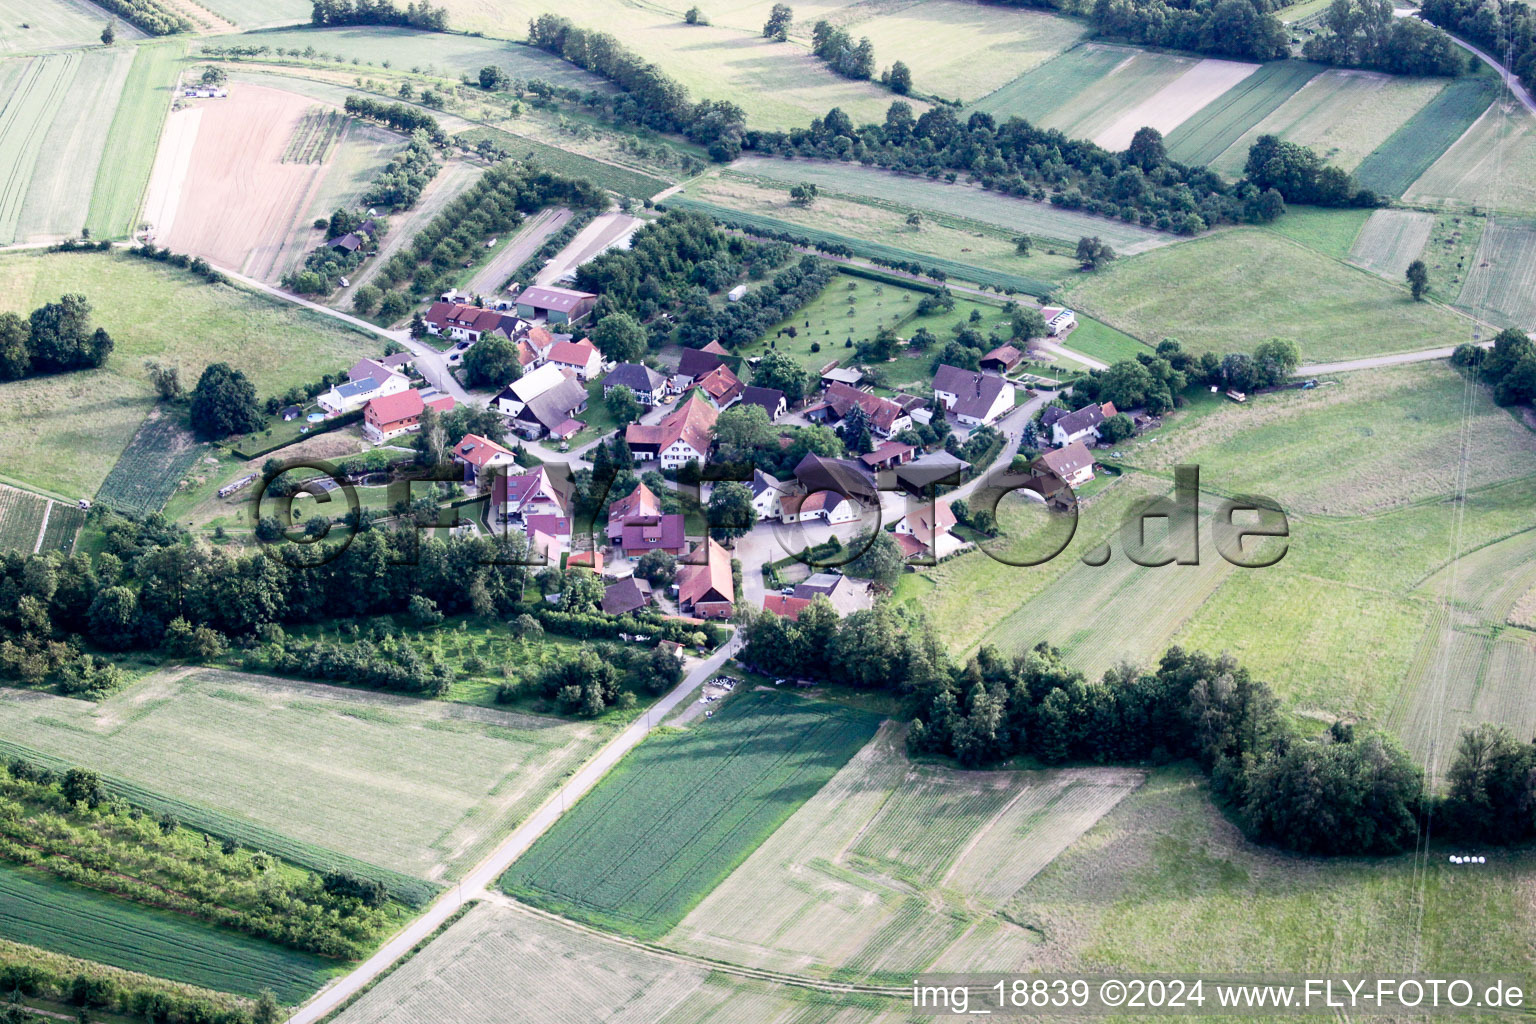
{"x": 849, "y": 59}
{"x": 151, "y": 16}
{"x": 391, "y": 663}
{"x": 196, "y": 264}
{"x": 601, "y": 675}
{"x": 398, "y": 116}
{"x": 66, "y": 826}
{"x": 417, "y": 14}
{"x": 1366, "y": 34}
{"x": 747, "y": 319}
{"x": 96, "y": 988}
{"x": 1140, "y": 186}
{"x": 649, "y": 98}
{"x": 1244, "y": 29}
{"x": 1156, "y": 380}
{"x": 1299, "y": 175}
{"x": 399, "y": 183}
{"x": 55, "y": 338}
{"x": 1504, "y": 28}
{"x": 492, "y": 206}
{"x": 1509, "y": 367}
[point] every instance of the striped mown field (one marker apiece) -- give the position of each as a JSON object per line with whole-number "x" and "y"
{"x": 1398, "y": 162}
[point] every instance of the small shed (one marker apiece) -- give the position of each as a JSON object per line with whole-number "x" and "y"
{"x": 736, "y": 294}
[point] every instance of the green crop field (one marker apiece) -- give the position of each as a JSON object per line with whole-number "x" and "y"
{"x": 895, "y": 868}
{"x": 945, "y": 236}
{"x": 64, "y": 522}
{"x": 64, "y": 432}
{"x": 1492, "y": 166}
{"x": 1342, "y": 115}
{"x": 54, "y": 915}
{"x": 672, "y": 819}
{"x": 973, "y": 202}
{"x": 32, "y": 89}
{"x": 50, "y": 23}
{"x": 1330, "y": 232}
{"x": 58, "y": 196}
{"x": 1093, "y": 107}
{"x": 1218, "y": 125}
{"x": 250, "y": 14}
{"x": 1393, "y": 167}
{"x": 151, "y": 467}
{"x": 21, "y": 519}
{"x": 1228, "y": 291}
{"x": 1390, "y": 241}
{"x": 128, "y": 153}
{"x": 618, "y": 179}
{"x": 1501, "y": 285}
{"x": 1041, "y": 90}
{"x": 864, "y": 248}
{"x": 447, "y": 55}
{"x": 415, "y": 786}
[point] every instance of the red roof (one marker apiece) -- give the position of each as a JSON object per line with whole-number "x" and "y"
{"x": 392, "y": 409}
{"x": 648, "y": 533}
{"x": 693, "y": 421}
{"x": 910, "y": 546}
{"x": 709, "y": 582}
{"x": 787, "y": 607}
{"x": 887, "y": 450}
{"x": 550, "y": 526}
{"x": 721, "y": 384}
{"x": 479, "y": 451}
{"x": 572, "y": 353}
{"x": 882, "y": 412}
{"x": 639, "y": 502}
{"x": 594, "y": 559}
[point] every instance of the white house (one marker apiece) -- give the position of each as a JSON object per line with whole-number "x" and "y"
{"x": 581, "y": 357}
{"x": 768, "y": 494}
{"x": 1082, "y": 425}
{"x": 1074, "y": 463}
{"x": 974, "y": 398}
{"x": 684, "y": 436}
{"x": 369, "y": 380}
{"x": 830, "y": 507}
{"x": 528, "y": 387}
{"x": 1058, "y": 320}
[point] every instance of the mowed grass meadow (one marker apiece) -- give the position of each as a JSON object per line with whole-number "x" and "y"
{"x": 1229, "y": 290}
{"x": 40, "y": 910}
{"x": 1491, "y": 166}
{"x": 1501, "y": 284}
{"x": 681, "y": 810}
{"x": 419, "y": 787}
{"x": 128, "y": 152}
{"x": 51, "y": 23}
{"x": 63, "y": 433}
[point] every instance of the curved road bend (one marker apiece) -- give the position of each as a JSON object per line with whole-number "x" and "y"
{"x": 491, "y": 868}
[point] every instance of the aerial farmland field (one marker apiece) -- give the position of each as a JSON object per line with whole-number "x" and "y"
{"x": 51, "y": 23}
{"x": 969, "y": 201}
{"x": 1393, "y": 167}
{"x": 1206, "y": 134}
{"x": 443, "y": 781}
{"x": 1044, "y": 89}
{"x": 153, "y": 311}
{"x": 54, "y": 915}
{"x": 894, "y": 868}
{"x": 1390, "y": 240}
{"x": 1228, "y": 291}
{"x": 1501, "y": 284}
{"x": 33, "y": 90}
{"x": 1491, "y": 166}
{"x": 21, "y": 519}
{"x": 128, "y": 152}
{"x": 667, "y": 824}
{"x": 152, "y": 465}
{"x": 1342, "y": 115}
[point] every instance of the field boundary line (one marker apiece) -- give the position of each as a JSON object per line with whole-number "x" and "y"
{"x": 709, "y": 963}
{"x": 42, "y": 530}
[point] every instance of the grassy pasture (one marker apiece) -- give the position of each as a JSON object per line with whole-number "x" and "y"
{"x": 42, "y": 911}
{"x": 128, "y": 154}
{"x": 1501, "y": 284}
{"x": 258, "y": 13}
{"x": 1041, "y": 90}
{"x": 1390, "y": 241}
{"x": 447, "y": 55}
{"x": 1218, "y": 125}
{"x": 680, "y": 811}
{"x": 53, "y": 23}
{"x": 866, "y": 249}
{"x": 415, "y": 786}
{"x": 618, "y": 179}
{"x": 33, "y": 90}
{"x": 1227, "y": 291}
{"x": 907, "y": 193}
{"x": 65, "y": 432}
{"x": 58, "y": 197}
{"x": 1491, "y": 166}
{"x": 21, "y": 518}
{"x": 1343, "y": 115}
{"x": 1330, "y": 232}
{"x": 1164, "y": 882}
{"x": 894, "y": 868}
{"x": 944, "y": 236}
{"x": 1102, "y": 341}
{"x": 1395, "y": 164}
{"x": 151, "y": 467}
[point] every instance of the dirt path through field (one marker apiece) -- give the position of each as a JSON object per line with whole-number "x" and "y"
{"x": 1176, "y": 102}
{"x": 519, "y": 250}
{"x": 608, "y": 229}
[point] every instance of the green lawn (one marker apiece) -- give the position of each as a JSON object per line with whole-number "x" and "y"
{"x": 65, "y": 432}
{"x": 1330, "y": 232}
{"x": 129, "y": 152}
{"x": 681, "y": 810}
{"x": 42, "y": 911}
{"x": 1230, "y": 290}
{"x": 1102, "y": 342}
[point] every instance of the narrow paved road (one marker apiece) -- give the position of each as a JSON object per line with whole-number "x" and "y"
{"x": 484, "y": 875}
{"x": 1511, "y": 81}
{"x": 1372, "y": 362}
